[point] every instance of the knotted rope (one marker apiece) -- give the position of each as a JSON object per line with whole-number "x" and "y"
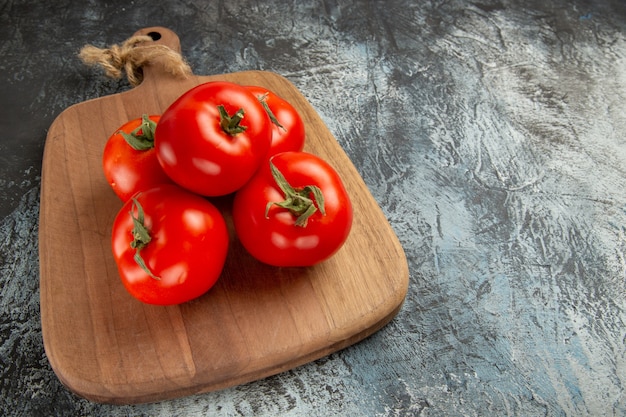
{"x": 130, "y": 56}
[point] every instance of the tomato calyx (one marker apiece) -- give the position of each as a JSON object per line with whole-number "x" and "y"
{"x": 141, "y": 237}
{"x": 263, "y": 100}
{"x": 230, "y": 124}
{"x": 141, "y": 138}
{"x": 297, "y": 200}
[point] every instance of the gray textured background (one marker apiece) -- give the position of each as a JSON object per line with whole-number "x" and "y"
{"x": 493, "y": 135}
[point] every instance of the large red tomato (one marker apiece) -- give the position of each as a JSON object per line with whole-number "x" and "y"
{"x": 129, "y": 160}
{"x": 295, "y": 211}
{"x": 287, "y": 125}
{"x": 213, "y": 138}
{"x": 169, "y": 244}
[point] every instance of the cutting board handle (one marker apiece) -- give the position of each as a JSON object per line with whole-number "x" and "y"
{"x": 163, "y": 64}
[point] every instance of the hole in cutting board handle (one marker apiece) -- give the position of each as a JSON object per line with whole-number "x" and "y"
{"x": 155, "y": 36}
{"x": 162, "y": 36}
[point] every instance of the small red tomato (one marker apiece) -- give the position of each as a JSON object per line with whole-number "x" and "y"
{"x": 213, "y": 138}
{"x": 169, "y": 244}
{"x": 287, "y": 125}
{"x": 295, "y": 211}
{"x": 129, "y": 160}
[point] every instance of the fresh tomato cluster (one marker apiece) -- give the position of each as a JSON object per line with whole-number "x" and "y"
{"x": 170, "y": 242}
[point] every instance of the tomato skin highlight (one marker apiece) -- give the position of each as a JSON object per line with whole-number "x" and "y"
{"x": 197, "y": 153}
{"x": 275, "y": 239}
{"x": 290, "y": 136}
{"x": 128, "y": 170}
{"x": 187, "y": 251}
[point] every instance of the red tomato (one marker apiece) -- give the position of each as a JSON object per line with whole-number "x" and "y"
{"x": 129, "y": 160}
{"x": 213, "y": 138}
{"x": 297, "y": 224}
{"x": 287, "y": 125}
{"x": 169, "y": 244}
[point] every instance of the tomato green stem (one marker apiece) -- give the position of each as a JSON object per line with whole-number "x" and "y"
{"x": 230, "y": 124}
{"x": 141, "y": 138}
{"x": 297, "y": 201}
{"x": 141, "y": 237}
{"x": 263, "y": 100}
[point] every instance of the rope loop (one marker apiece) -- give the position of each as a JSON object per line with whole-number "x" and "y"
{"x": 131, "y": 56}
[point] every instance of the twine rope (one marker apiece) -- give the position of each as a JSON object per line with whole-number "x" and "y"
{"x": 130, "y": 56}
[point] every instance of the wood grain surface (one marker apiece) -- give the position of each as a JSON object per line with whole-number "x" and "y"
{"x": 257, "y": 321}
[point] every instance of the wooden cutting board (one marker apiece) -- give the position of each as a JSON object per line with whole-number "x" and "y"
{"x": 257, "y": 321}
